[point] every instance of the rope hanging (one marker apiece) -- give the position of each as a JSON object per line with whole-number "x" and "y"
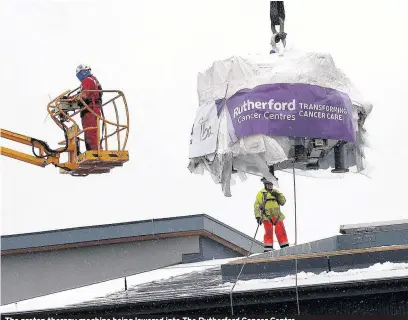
{"x": 242, "y": 268}
{"x": 296, "y": 260}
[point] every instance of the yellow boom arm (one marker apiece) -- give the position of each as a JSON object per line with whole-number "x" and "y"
{"x": 38, "y": 161}
{"x": 78, "y": 164}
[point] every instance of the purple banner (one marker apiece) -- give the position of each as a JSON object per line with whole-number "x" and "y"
{"x": 294, "y": 110}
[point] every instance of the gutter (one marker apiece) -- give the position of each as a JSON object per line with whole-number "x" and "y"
{"x": 219, "y": 303}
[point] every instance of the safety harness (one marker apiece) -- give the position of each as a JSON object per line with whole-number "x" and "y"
{"x": 262, "y": 207}
{"x": 93, "y": 101}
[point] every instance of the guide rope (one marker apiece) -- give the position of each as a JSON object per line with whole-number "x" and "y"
{"x": 296, "y": 260}
{"x": 249, "y": 252}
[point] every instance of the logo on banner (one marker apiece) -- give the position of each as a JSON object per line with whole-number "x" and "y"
{"x": 205, "y": 131}
{"x": 298, "y": 110}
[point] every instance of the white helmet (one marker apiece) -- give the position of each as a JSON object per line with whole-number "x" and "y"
{"x": 83, "y": 67}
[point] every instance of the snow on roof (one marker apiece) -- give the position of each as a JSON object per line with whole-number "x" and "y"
{"x": 69, "y": 297}
{"x": 375, "y": 226}
{"x": 379, "y": 271}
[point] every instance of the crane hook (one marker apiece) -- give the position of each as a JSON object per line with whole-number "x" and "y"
{"x": 277, "y": 16}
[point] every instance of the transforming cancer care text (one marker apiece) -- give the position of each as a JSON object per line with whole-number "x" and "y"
{"x": 286, "y": 110}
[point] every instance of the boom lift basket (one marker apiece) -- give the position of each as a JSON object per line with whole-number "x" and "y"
{"x": 112, "y": 134}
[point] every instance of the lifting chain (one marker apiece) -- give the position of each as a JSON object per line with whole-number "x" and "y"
{"x": 277, "y": 16}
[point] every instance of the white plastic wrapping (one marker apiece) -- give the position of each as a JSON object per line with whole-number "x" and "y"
{"x": 223, "y": 154}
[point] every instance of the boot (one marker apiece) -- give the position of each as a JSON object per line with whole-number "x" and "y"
{"x": 268, "y": 247}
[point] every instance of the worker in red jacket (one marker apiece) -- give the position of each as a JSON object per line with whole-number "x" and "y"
{"x": 94, "y": 102}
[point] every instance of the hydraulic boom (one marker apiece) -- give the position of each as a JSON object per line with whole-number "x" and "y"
{"x": 63, "y": 110}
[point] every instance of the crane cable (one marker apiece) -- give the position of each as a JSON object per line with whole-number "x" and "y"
{"x": 277, "y": 17}
{"x": 296, "y": 258}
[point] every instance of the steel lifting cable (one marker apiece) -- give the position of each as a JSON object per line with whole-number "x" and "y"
{"x": 296, "y": 260}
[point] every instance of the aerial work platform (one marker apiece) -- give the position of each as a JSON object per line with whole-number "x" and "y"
{"x": 91, "y": 162}
{"x": 62, "y": 111}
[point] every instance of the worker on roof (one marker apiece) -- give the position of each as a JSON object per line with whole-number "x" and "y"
{"x": 267, "y": 212}
{"x": 94, "y": 102}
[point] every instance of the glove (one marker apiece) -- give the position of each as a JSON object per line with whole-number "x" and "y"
{"x": 258, "y": 220}
{"x": 275, "y": 194}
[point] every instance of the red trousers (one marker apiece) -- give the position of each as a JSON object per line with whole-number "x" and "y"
{"x": 280, "y": 234}
{"x": 89, "y": 120}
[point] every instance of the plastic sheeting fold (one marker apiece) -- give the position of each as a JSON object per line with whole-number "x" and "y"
{"x": 243, "y": 123}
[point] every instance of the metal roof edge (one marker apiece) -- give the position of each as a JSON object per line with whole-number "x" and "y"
{"x": 388, "y": 225}
{"x": 101, "y": 225}
{"x": 233, "y": 229}
{"x": 131, "y": 230}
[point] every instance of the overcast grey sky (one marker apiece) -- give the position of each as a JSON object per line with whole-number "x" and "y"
{"x": 153, "y": 50}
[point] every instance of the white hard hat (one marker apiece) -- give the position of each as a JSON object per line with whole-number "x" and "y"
{"x": 83, "y": 67}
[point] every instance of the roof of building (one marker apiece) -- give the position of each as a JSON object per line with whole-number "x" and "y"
{"x": 358, "y": 247}
{"x": 374, "y": 226}
{"x": 200, "y": 224}
{"x": 265, "y": 281}
{"x": 200, "y": 285}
